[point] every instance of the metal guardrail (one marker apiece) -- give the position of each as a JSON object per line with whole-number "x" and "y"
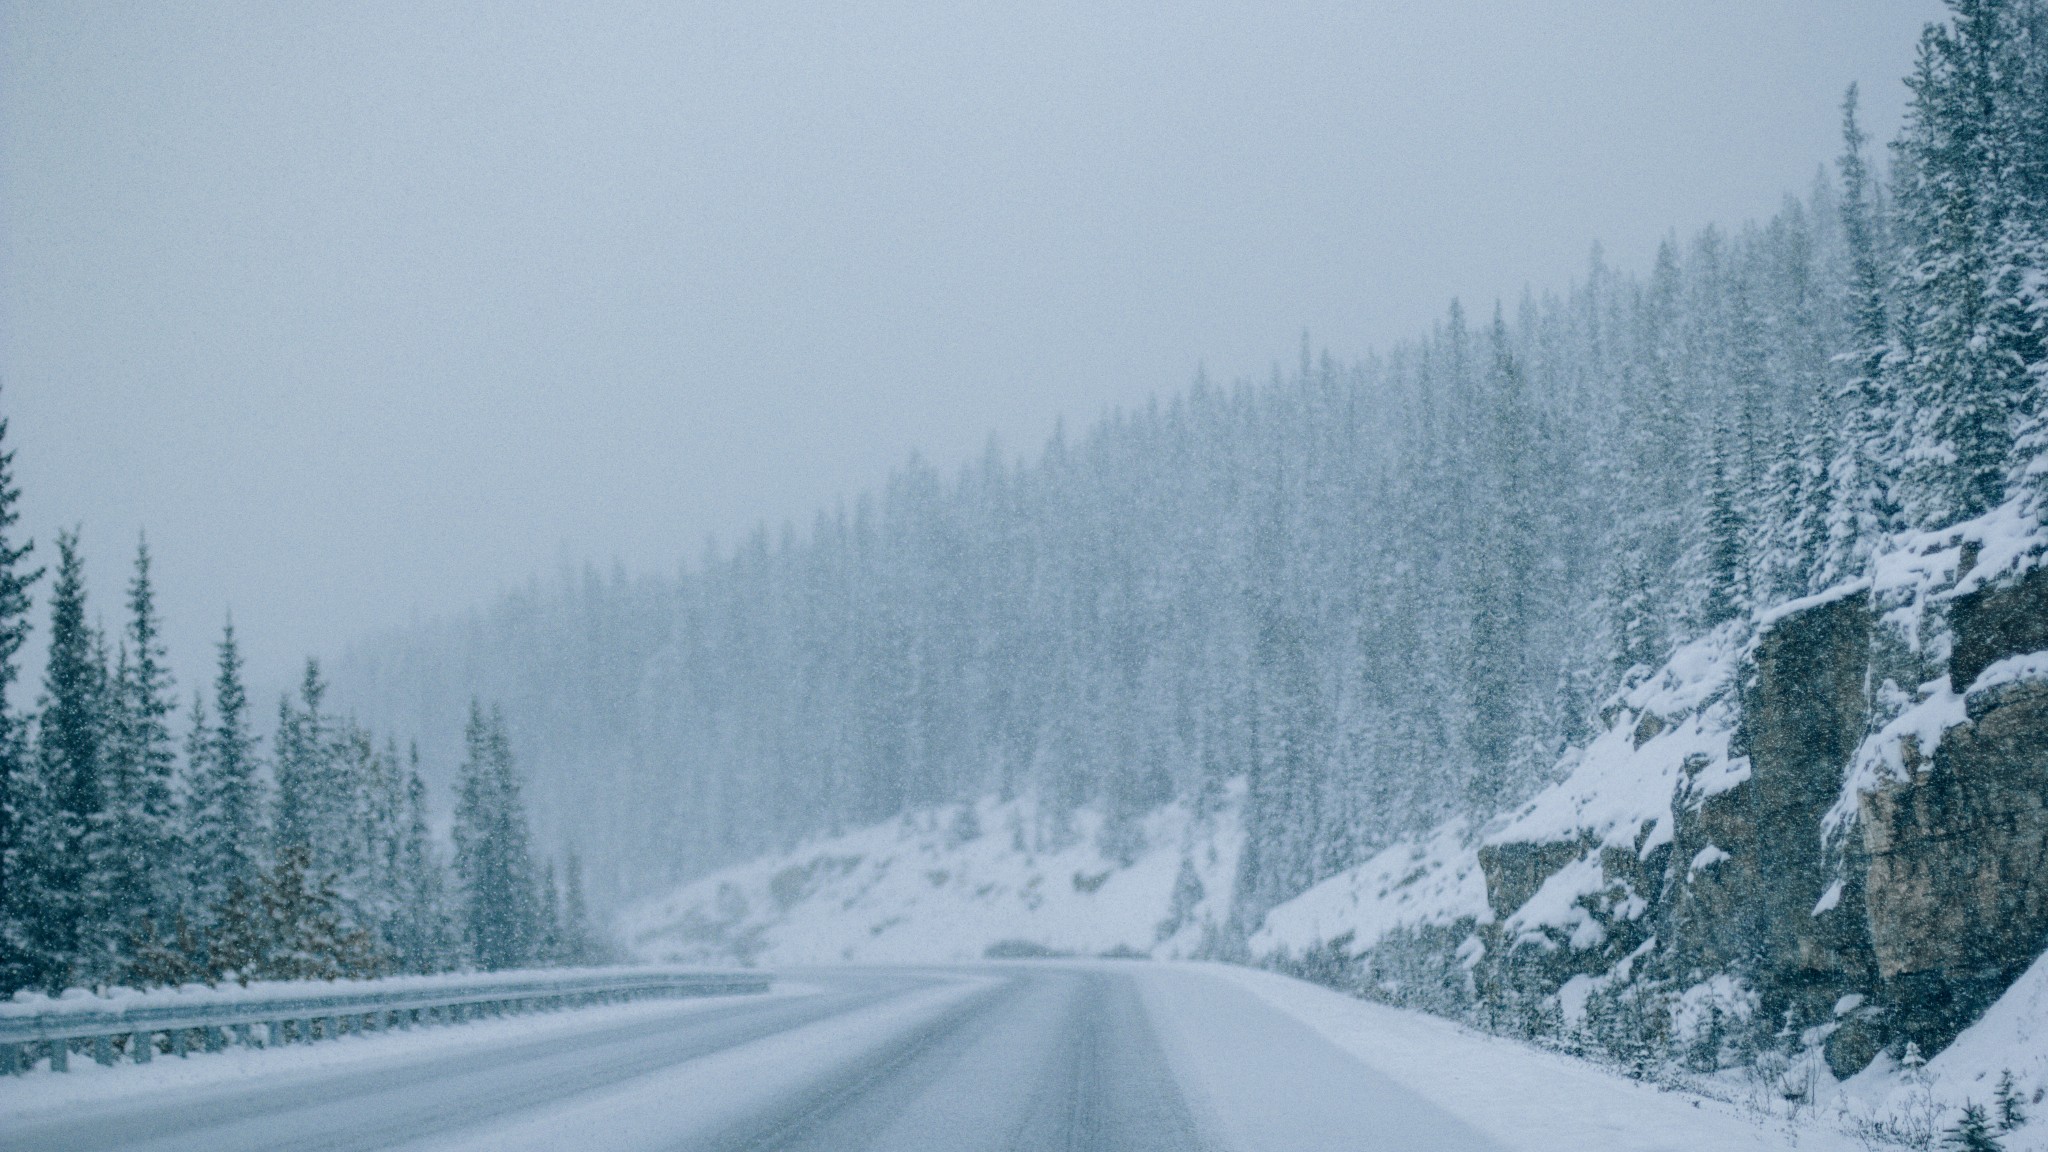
{"x": 287, "y": 1014}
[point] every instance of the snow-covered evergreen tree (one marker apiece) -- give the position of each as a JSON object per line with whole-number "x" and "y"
{"x": 135, "y": 843}
{"x": 227, "y": 834}
{"x": 1969, "y": 233}
{"x": 1863, "y": 474}
{"x": 421, "y": 933}
{"x": 580, "y": 944}
{"x": 70, "y": 735}
{"x": 25, "y": 802}
{"x": 493, "y": 857}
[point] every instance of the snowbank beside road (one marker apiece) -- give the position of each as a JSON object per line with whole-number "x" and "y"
{"x": 1523, "y": 1098}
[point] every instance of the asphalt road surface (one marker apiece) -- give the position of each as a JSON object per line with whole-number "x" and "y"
{"x": 1128, "y": 1057}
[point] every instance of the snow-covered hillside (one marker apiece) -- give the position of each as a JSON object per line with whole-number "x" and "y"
{"x": 1773, "y": 864}
{"x": 1616, "y": 793}
{"x": 959, "y": 883}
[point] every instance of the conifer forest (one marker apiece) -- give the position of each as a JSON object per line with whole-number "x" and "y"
{"x": 151, "y": 841}
{"x": 1382, "y": 592}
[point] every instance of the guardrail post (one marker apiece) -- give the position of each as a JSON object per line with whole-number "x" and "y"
{"x": 178, "y": 1039}
{"x": 103, "y": 1050}
{"x": 213, "y": 1039}
{"x": 142, "y": 1047}
{"x": 11, "y": 1059}
{"x": 273, "y": 1032}
{"x": 60, "y": 1055}
{"x": 244, "y": 1037}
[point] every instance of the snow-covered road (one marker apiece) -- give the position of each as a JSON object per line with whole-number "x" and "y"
{"x": 1107, "y": 1055}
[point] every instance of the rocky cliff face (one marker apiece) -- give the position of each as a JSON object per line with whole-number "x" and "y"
{"x": 1768, "y": 909}
{"x": 1827, "y": 829}
{"x": 1957, "y": 881}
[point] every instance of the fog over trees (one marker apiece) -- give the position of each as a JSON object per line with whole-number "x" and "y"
{"x": 1380, "y": 592}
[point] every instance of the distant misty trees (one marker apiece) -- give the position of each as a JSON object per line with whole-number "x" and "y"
{"x": 131, "y": 857}
{"x": 510, "y": 915}
{"x": 1379, "y": 594}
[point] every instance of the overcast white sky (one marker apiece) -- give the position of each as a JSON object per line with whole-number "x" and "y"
{"x": 368, "y": 310}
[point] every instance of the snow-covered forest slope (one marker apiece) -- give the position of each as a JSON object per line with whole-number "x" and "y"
{"x": 1772, "y": 845}
{"x": 1660, "y": 663}
{"x": 964, "y": 882}
{"x": 1383, "y": 593}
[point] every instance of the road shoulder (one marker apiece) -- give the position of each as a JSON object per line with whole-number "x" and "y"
{"x": 1527, "y": 1099}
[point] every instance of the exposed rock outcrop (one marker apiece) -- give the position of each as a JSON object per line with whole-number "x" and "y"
{"x": 1517, "y": 869}
{"x": 1996, "y": 622}
{"x": 1958, "y": 866}
{"x": 1774, "y": 844}
{"x": 1752, "y": 897}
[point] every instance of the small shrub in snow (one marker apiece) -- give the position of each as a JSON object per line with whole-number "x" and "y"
{"x": 2011, "y": 1105}
{"x": 1972, "y": 1132}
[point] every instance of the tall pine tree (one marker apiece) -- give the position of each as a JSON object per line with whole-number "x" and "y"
{"x": 308, "y": 811}
{"x": 493, "y": 858}
{"x": 1863, "y": 474}
{"x": 227, "y": 800}
{"x": 419, "y": 937}
{"x": 70, "y": 738}
{"x": 24, "y": 807}
{"x": 1963, "y": 213}
{"x": 136, "y": 844}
